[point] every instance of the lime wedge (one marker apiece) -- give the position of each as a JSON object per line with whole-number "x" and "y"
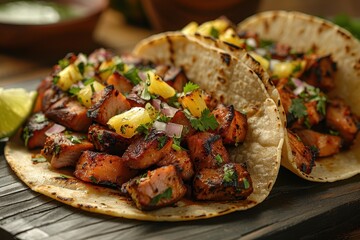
{"x": 15, "y": 106}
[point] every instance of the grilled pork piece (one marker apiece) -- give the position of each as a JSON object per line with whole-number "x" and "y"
{"x": 320, "y": 72}
{"x": 229, "y": 182}
{"x": 304, "y": 156}
{"x": 102, "y": 168}
{"x": 181, "y": 160}
{"x": 121, "y": 83}
{"x": 286, "y": 96}
{"x": 147, "y": 150}
{"x": 176, "y": 78}
{"x": 232, "y": 124}
{"x": 106, "y": 140}
{"x": 312, "y": 118}
{"x": 69, "y": 113}
{"x": 339, "y": 118}
{"x": 158, "y": 188}
{"x": 34, "y": 130}
{"x": 326, "y": 144}
{"x": 49, "y": 97}
{"x": 43, "y": 86}
{"x": 111, "y": 103}
{"x": 64, "y": 150}
{"x": 207, "y": 150}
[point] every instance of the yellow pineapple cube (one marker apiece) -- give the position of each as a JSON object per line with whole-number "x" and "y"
{"x": 194, "y": 102}
{"x": 287, "y": 69}
{"x": 68, "y": 76}
{"x": 263, "y": 61}
{"x": 159, "y": 87}
{"x": 85, "y": 94}
{"x": 106, "y": 68}
{"x": 190, "y": 28}
{"x": 127, "y": 122}
{"x": 230, "y": 36}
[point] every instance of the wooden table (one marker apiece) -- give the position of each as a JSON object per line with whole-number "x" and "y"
{"x": 295, "y": 209}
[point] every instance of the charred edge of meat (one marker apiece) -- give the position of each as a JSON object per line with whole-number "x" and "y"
{"x": 93, "y": 112}
{"x": 209, "y": 142}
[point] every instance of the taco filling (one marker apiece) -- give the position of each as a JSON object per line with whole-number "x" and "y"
{"x": 319, "y": 124}
{"x": 146, "y": 130}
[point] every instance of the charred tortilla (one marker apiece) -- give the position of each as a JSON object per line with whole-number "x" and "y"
{"x": 303, "y": 32}
{"x": 215, "y": 71}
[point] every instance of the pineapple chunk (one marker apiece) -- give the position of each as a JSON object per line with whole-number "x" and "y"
{"x": 85, "y": 94}
{"x": 159, "y": 87}
{"x": 68, "y": 76}
{"x": 230, "y": 36}
{"x": 190, "y": 28}
{"x": 206, "y": 29}
{"x": 263, "y": 61}
{"x": 127, "y": 122}
{"x": 106, "y": 69}
{"x": 194, "y": 102}
{"x": 287, "y": 69}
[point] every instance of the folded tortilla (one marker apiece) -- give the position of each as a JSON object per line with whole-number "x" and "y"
{"x": 303, "y": 32}
{"x": 218, "y": 73}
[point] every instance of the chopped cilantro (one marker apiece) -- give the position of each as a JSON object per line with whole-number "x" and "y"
{"x": 205, "y": 122}
{"x": 74, "y": 90}
{"x": 144, "y": 129}
{"x": 298, "y": 108}
{"x": 93, "y": 179}
{"x": 165, "y": 195}
{"x": 176, "y": 144}
{"x": 162, "y": 141}
{"x": 56, "y": 79}
{"x": 189, "y": 87}
{"x": 123, "y": 128}
{"x": 314, "y": 94}
{"x": 214, "y": 32}
{"x": 57, "y": 149}
{"x": 100, "y": 138}
{"x": 26, "y": 135}
{"x": 265, "y": 43}
{"x": 230, "y": 176}
{"x": 88, "y": 81}
{"x": 120, "y": 67}
{"x": 173, "y": 101}
{"x": 133, "y": 76}
{"x": 74, "y": 139}
{"x": 40, "y": 118}
{"x": 219, "y": 159}
{"x": 81, "y": 67}
{"x": 64, "y": 176}
{"x": 38, "y": 158}
{"x": 335, "y": 133}
{"x": 297, "y": 68}
{"x": 163, "y": 118}
{"x": 63, "y": 63}
{"x": 246, "y": 183}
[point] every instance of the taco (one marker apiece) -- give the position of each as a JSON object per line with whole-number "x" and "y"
{"x": 314, "y": 65}
{"x": 108, "y": 125}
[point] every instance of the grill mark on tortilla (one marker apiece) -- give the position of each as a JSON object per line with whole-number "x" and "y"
{"x": 343, "y": 34}
{"x": 231, "y": 47}
{"x": 226, "y": 58}
{"x": 80, "y": 205}
{"x": 221, "y": 80}
{"x": 171, "y": 50}
{"x": 65, "y": 199}
{"x": 266, "y": 26}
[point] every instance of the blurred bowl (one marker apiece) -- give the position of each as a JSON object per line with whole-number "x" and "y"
{"x": 35, "y": 30}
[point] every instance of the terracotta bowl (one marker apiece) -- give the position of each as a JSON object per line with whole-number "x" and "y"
{"x": 53, "y": 39}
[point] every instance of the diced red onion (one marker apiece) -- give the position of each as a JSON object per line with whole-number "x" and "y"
{"x": 300, "y": 86}
{"x": 143, "y": 75}
{"x": 156, "y": 104}
{"x": 168, "y": 110}
{"x": 56, "y": 128}
{"x": 160, "y": 126}
{"x": 174, "y": 130}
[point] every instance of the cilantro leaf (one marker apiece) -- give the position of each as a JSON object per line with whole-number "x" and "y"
{"x": 205, "y": 122}
{"x": 74, "y": 90}
{"x": 63, "y": 63}
{"x": 133, "y": 76}
{"x": 189, "y": 87}
{"x": 214, "y": 32}
{"x": 298, "y": 108}
{"x": 165, "y": 195}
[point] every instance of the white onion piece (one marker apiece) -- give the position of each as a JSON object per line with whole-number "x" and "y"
{"x": 174, "y": 130}
{"x": 261, "y": 51}
{"x": 160, "y": 126}
{"x": 56, "y": 128}
{"x": 168, "y": 110}
{"x": 251, "y": 42}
